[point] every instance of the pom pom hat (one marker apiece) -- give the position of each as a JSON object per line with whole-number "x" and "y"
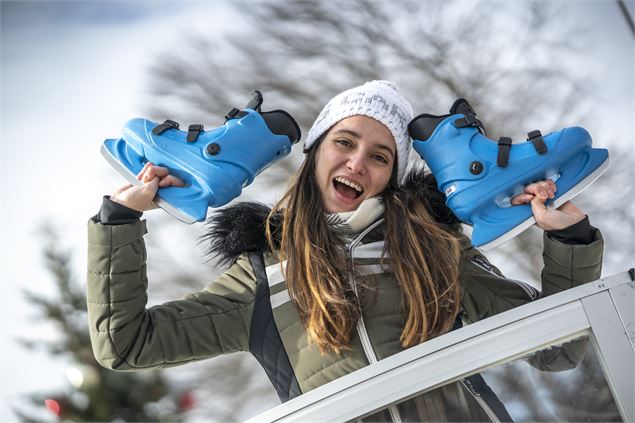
{"x": 380, "y": 100}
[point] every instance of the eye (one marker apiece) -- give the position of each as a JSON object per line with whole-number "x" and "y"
{"x": 343, "y": 142}
{"x": 380, "y": 158}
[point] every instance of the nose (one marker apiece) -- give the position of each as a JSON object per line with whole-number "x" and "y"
{"x": 356, "y": 163}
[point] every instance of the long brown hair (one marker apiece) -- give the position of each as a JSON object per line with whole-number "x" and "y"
{"x": 422, "y": 255}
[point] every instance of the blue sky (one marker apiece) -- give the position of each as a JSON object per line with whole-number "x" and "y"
{"x": 73, "y": 72}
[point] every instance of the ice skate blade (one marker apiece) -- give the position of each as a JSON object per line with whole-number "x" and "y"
{"x": 577, "y": 189}
{"x": 132, "y": 179}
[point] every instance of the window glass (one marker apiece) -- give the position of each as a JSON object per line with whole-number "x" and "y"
{"x": 563, "y": 383}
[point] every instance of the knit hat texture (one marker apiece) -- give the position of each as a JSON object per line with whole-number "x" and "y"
{"x": 380, "y": 100}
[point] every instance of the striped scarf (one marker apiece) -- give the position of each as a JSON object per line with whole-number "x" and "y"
{"x": 353, "y": 222}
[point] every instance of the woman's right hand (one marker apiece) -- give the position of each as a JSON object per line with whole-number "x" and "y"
{"x": 140, "y": 197}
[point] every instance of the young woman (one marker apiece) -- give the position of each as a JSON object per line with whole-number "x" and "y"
{"x": 357, "y": 262}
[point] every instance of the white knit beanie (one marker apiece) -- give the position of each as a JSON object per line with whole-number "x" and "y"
{"x": 380, "y": 100}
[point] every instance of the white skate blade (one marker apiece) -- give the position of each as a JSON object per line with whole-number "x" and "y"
{"x": 132, "y": 179}
{"x": 121, "y": 169}
{"x": 575, "y": 190}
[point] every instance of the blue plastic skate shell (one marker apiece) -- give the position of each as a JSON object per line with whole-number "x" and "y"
{"x": 483, "y": 200}
{"x": 245, "y": 146}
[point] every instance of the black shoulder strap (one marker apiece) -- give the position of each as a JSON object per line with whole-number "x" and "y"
{"x": 264, "y": 339}
{"x": 479, "y": 387}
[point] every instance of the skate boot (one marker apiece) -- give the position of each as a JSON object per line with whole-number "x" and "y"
{"x": 480, "y": 176}
{"x": 214, "y": 164}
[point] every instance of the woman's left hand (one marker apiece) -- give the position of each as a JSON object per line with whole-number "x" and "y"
{"x": 548, "y": 218}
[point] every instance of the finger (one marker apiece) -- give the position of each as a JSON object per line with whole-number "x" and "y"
{"x": 539, "y": 189}
{"x": 532, "y": 189}
{"x": 539, "y": 210}
{"x": 147, "y": 175}
{"x": 143, "y": 171}
{"x": 151, "y": 187}
{"x": 171, "y": 181}
{"x": 156, "y": 171}
{"x": 522, "y": 199}
{"x": 544, "y": 190}
{"x": 551, "y": 188}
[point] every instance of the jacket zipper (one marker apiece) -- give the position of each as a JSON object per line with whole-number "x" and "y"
{"x": 490, "y": 413}
{"x": 361, "y": 326}
{"x": 529, "y": 290}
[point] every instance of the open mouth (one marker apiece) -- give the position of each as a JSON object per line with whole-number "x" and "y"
{"x": 347, "y": 188}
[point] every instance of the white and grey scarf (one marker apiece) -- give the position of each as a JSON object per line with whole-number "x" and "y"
{"x": 354, "y": 222}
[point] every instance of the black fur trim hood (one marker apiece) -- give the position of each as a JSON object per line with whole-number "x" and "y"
{"x": 240, "y": 228}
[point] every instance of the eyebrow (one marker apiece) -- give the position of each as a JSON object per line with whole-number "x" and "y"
{"x": 356, "y": 135}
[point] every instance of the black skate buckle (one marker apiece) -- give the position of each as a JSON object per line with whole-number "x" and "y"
{"x": 168, "y": 124}
{"x": 469, "y": 120}
{"x": 504, "y": 146}
{"x": 193, "y": 131}
{"x": 254, "y": 103}
{"x": 536, "y": 139}
{"x": 231, "y": 114}
{"x": 234, "y": 114}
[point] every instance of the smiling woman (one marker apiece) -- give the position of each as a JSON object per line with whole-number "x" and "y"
{"x": 357, "y": 262}
{"x": 354, "y": 161}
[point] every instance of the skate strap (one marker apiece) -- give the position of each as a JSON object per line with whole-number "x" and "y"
{"x": 504, "y": 145}
{"x": 168, "y": 124}
{"x": 254, "y": 103}
{"x": 193, "y": 131}
{"x": 234, "y": 114}
{"x": 469, "y": 120}
{"x": 536, "y": 139}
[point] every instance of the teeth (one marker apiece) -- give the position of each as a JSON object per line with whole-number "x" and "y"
{"x": 349, "y": 183}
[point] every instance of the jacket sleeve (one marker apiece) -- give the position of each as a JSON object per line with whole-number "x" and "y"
{"x": 568, "y": 266}
{"x": 487, "y": 292}
{"x": 125, "y": 335}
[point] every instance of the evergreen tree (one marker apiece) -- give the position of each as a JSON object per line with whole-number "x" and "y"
{"x": 93, "y": 393}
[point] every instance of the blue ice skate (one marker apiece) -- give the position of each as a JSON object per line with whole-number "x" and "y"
{"x": 479, "y": 176}
{"x": 214, "y": 164}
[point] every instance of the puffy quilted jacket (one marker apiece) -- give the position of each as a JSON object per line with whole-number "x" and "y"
{"x": 248, "y": 307}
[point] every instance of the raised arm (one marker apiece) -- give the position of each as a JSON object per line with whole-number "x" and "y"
{"x": 572, "y": 256}
{"x": 126, "y": 335}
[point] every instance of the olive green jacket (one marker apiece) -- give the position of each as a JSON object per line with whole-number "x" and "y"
{"x": 126, "y": 334}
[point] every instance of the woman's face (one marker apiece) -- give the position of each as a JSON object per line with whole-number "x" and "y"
{"x": 354, "y": 162}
